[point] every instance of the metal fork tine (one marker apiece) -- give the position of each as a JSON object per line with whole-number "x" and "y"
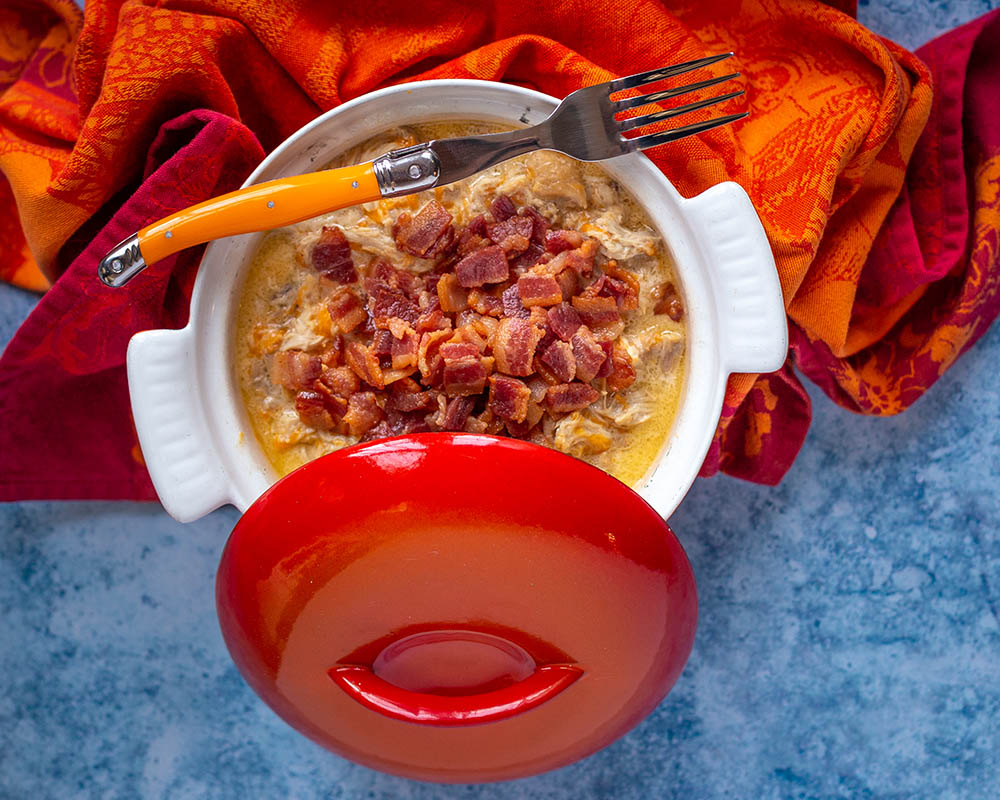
{"x": 655, "y": 139}
{"x": 642, "y": 78}
{"x": 666, "y": 94}
{"x": 636, "y": 122}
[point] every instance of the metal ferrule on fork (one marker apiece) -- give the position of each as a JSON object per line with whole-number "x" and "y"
{"x": 406, "y": 171}
{"x": 124, "y": 262}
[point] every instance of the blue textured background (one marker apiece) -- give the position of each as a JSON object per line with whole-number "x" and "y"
{"x": 849, "y": 643}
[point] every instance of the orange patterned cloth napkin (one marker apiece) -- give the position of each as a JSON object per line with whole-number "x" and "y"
{"x": 878, "y": 194}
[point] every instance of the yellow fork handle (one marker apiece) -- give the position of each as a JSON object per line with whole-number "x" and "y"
{"x": 260, "y": 207}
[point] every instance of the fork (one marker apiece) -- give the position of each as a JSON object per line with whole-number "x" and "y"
{"x": 585, "y": 126}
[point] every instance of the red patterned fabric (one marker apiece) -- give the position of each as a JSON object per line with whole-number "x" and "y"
{"x": 880, "y": 203}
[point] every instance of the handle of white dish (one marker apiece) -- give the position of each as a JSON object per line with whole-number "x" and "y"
{"x": 173, "y": 434}
{"x": 744, "y": 279}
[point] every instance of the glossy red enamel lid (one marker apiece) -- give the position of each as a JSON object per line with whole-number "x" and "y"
{"x": 456, "y": 607}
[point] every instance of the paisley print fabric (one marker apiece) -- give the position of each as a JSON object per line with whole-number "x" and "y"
{"x": 874, "y": 171}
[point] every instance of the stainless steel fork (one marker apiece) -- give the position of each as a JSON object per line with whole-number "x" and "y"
{"x": 586, "y": 125}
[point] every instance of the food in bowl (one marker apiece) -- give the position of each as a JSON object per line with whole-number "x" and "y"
{"x": 534, "y": 300}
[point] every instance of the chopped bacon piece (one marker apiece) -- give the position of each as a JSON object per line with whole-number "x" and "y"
{"x": 538, "y": 388}
{"x": 485, "y": 303}
{"x": 609, "y": 331}
{"x": 428, "y": 359}
{"x": 295, "y": 370}
{"x": 539, "y": 290}
{"x": 465, "y": 371}
{"x": 519, "y": 430}
{"x": 564, "y": 321}
{"x": 558, "y": 241}
{"x": 545, "y": 372}
{"x": 469, "y": 334}
{"x": 469, "y": 242}
{"x": 331, "y": 256}
{"x": 474, "y": 425}
{"x": 539, "y": 316}
{"x": 382, "y": 343}
{"x": 381, "y": 271}
{"x": 669, "y": 302}
{"x": 630, "y": 301}
{"x": 451, "y": 296}
{"x": 477, "y": 225}
{"x": 432, "y": 320}
{"x": 312, "y": 410}
{"x": 580, "y": 259}
{"x": 512, "y": 305}
{"x": 428, "y": 234}
{"x": 569, "y": 283}
{"x": 528, "y": 258}
{"x": 404, "y": 350}
{"x": 407, "y": 395}
{"x": 466, "y": 376}
{"x": 340, "y": 381}
{"x": 512, "y": 234}
{"x": 456, "y": 413}
{"x": 622, "y": 372}
{"x": 399, "y": 327}
{"x": 363, "y": 413}
{"x": 539, "y": 225}
{"x": 365, "y": 364}
{"x": 509, "y": 397}
{"x": 589, "y": 354}
{"x": 332, "y": 355}
{"x": 560, "y": 359}
{"x": 502, "y": 208}
{"x": 488, "y": 265}
{"x": 396, "y": 424}
{"x": 453, "y": 350}
{"x": 514, "y": 345}
{"x": 409, "y": 284}
{"x": 335, "y": 404}
{"x": 484, "y": 326}
{"x": 607, "y": 366}
{"x": 597, "y": 310}
{"x": 346, "y": 311}
{"x": 385, "y": 302}
{"x": 570, "y": 396}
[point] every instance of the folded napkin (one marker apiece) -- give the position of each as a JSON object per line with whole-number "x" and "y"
{"x": 878, "y": 193}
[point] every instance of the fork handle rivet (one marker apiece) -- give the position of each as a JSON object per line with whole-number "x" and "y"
{"x": 270, "y": 204}
{"x": 168, "y": 235}
{"x": 354, "y": 184}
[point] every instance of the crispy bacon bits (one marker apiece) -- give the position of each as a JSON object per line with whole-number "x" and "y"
{"x": 539, "y": 290}
{"x": 488, "y": 265}
{"x": 513, "y": 326}
{"x": 509, "y": 398}
{"x": 669, "y": 302}
{"x": 331, "y": 256}
{"x": 428, "y": 234}
{"x": 295, "y": 370}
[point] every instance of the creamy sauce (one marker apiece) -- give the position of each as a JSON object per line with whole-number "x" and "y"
{"x": 281, "y": 304}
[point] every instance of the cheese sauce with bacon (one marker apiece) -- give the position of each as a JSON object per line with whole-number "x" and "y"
{"x": 534, "y": 300}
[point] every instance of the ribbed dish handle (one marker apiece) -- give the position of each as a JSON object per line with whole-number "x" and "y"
{"x": 744, "y": 279}
{"x": 186, "y": 472}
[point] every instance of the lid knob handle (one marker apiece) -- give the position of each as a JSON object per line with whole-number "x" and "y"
{"x": 363, "y": 685}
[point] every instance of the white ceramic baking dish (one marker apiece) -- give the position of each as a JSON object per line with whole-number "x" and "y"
{"x": 194, "y": 432}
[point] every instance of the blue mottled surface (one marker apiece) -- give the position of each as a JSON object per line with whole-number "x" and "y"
{"x": 849, "y": 643}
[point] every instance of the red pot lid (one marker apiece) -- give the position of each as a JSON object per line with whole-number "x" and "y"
{"x": 456, "y": 607}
